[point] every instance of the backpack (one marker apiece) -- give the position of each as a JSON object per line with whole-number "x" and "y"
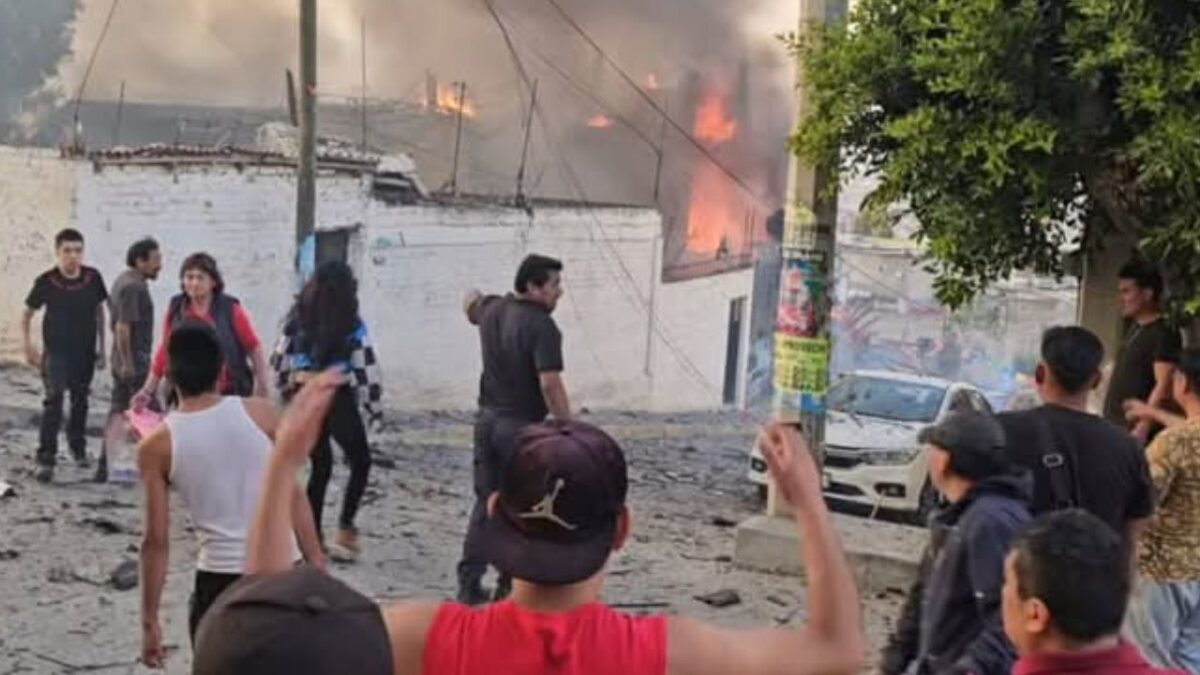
{"x": 1059, "y": 466}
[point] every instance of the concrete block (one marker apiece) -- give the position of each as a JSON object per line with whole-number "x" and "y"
{"x": 883, "y": 555}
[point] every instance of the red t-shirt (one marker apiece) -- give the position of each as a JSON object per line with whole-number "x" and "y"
{"x": 1124, "y": 659}
{"x": 503, "y": 638}
{"x": 241, "y": 328}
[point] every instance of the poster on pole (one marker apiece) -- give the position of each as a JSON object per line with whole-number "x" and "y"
{"x": 802, "y": 335}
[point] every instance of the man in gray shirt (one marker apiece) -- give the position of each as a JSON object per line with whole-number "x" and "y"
{"x": 132, "y": 311}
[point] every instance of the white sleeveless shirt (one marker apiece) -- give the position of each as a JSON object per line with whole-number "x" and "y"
{"x": 218, "y": 458}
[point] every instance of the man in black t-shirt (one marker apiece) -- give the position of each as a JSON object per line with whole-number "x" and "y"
{"x": 1078, "y": 459}
{"x": 73, "y": 296}
{"x": 521, "y": 384}
{"x": 1149, "y": 350}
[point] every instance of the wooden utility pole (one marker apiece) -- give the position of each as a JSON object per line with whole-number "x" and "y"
{"x": 363, "y": 42}
{"x": 525, "y": 144}
{"x": 120, "y": 109}
{"x": 802, "y": 335}
{"x": 293, "y": 109}
{"x": 306, "y": 178}
{"x": 462, "y": 102}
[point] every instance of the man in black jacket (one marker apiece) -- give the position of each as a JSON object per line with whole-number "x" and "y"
{"x": 951, "y": 621}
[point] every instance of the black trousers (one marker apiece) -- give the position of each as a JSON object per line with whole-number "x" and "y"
{"x": 62, "y": 376}
{"x": 495, "y": 439}
{"x": 344, "y": 424}
{"x": 209, "y": 586}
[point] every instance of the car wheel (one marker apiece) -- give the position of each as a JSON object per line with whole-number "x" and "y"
{"x": 927, "y": 504}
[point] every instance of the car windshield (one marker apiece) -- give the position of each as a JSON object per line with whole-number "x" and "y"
{"x": 889, "y": 399}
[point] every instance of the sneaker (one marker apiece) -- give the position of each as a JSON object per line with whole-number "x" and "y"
{"x": 345, "y": 546}
{"x": 81, "y": 459}
{"x": 43, "y": 474}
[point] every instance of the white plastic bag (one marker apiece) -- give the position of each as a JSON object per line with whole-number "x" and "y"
{"x": 120, "y": 443}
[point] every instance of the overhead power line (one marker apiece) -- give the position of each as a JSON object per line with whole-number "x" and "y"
{"x": 631, "y": 293}
{"x": 87, "y": 72}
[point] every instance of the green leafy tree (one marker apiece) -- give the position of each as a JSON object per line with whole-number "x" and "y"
{"x": 1015, "y": 128}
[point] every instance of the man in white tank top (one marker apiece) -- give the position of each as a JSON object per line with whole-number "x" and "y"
{"x": 213, "y": 450}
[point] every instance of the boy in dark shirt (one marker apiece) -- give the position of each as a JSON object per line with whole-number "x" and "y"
{"x": 73, "y": 296}
{"x": 1149, "y": 349}
{"x": 1078, "y": 459}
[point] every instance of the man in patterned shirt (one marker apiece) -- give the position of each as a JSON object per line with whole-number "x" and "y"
{"x": 1164, "y": 618}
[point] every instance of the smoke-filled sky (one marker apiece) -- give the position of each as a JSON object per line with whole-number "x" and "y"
{"x": 235, "y": 51}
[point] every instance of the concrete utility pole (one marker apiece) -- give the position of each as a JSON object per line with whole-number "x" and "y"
{"x": 802, "y": 331}
{"x": 306, "y": 178}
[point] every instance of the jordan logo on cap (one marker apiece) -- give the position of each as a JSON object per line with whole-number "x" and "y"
{"x": 544, "y": 510}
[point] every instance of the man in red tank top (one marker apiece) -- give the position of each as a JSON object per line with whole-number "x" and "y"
{"x": 559, "y": 514}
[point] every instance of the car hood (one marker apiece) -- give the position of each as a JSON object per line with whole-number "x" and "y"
{"x": 874, "y": 433}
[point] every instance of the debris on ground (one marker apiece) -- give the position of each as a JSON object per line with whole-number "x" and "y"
{"x": 721, "y": 599}
{"x": 105, "y": 525}
{"x": 125, "y": 576}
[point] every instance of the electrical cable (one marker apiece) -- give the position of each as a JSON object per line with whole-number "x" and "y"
{"x": 87, "y": 73}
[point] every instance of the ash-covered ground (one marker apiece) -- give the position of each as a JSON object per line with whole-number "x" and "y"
{"x": 59, "y": 544}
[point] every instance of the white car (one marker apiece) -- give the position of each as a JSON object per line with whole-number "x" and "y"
{"x": 872, "y": 456}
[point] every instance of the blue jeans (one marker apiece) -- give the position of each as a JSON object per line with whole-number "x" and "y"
{"x": 1164, "y": 621}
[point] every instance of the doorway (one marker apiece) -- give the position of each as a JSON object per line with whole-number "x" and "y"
{"x": 733, "y": 350}
{"x": 333, "y": 245}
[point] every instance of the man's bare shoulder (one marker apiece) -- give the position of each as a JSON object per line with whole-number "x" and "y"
{"x": 154, "y": 451}
{"x": 263, "y": 412}
{"x": 408, "y": 625}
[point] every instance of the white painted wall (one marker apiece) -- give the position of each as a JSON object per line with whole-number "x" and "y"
{"x": 414, "y": 264}
{"x": 37, "y": 192}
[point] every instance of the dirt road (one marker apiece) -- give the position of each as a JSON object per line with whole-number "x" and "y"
{"x": 59, "y": 543}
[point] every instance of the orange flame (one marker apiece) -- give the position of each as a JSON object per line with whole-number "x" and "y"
{"x": 712, "y": 123}
{"x": 599, "y": 121}
{"x": 447, "y": 102}
{"x": 717, "y": 215}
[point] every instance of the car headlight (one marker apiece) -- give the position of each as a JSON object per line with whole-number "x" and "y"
{"x": 890, "y": 457}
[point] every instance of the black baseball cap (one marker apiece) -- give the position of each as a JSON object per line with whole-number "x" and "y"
{"x": 967, "y": 431}
{"x": 558, "y": 505}
{"x": 299, "y": 622}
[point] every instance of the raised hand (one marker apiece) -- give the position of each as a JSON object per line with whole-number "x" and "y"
{"x": 790, "y": 463}
{"x": 304, "y": 416}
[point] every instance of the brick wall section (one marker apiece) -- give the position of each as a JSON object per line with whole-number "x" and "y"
{"x": 414, "y": 265}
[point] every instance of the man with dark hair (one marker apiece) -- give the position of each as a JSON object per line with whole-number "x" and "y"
{"x": 951, "y": 624}
{"x": 213, "y": 451}
{"x": 1148, "y": 352}
{"x": 1066, "y": 586}
{"x": 73, "y": 296}
{"x": 132, "y": 313}
{"x": 1164, "y": 617}
{"x": 521, "y": 384}
{"x": 559, "y": 515}
{"x": 1078, "y": 459}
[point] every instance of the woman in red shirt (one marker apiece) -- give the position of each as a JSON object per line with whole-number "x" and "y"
{"x": 204, "y": 299}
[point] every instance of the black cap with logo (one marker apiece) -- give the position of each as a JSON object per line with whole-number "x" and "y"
{"x": 558, "y": 505}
